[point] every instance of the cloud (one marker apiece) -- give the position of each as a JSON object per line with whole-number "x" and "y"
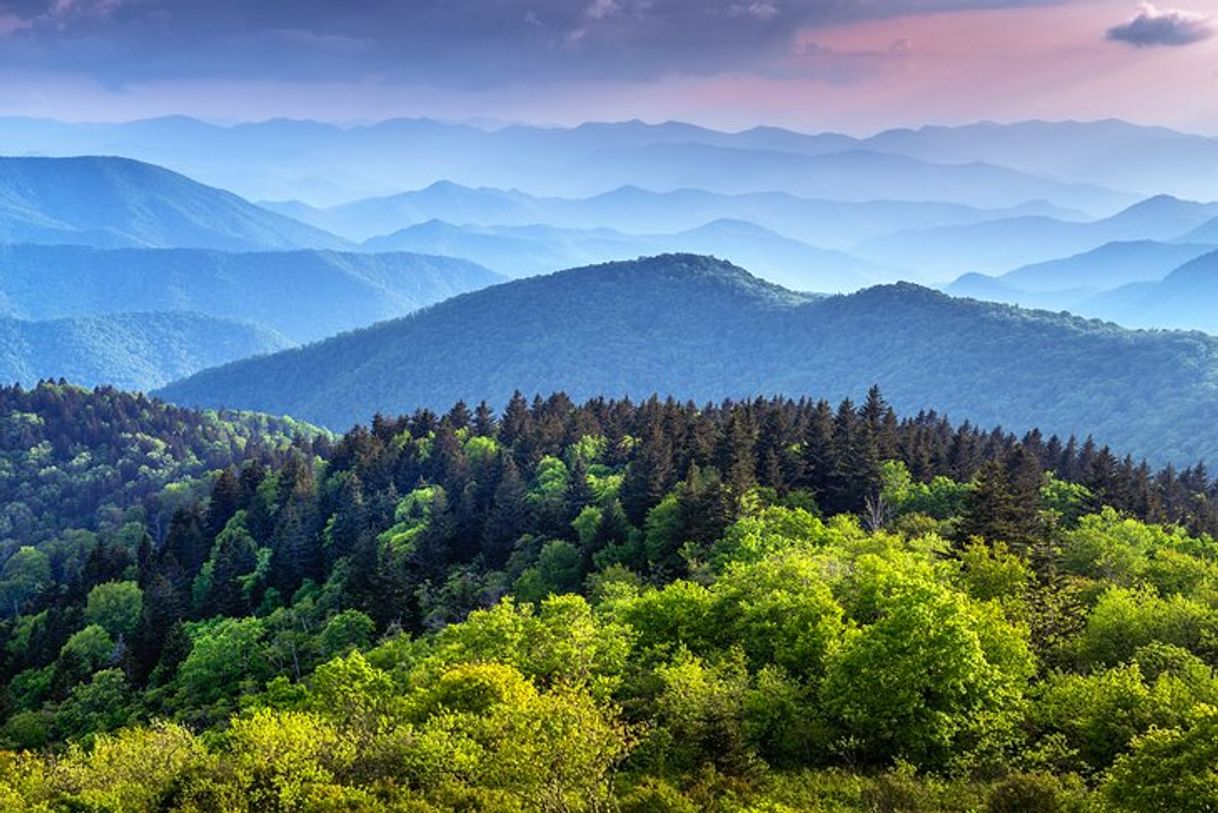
{"x": 455, "y": 43}
{"x": 1153, "y": 26}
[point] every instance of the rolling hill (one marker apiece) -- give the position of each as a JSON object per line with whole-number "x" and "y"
{"x": 1110, "y": 152}
{"x": 702, "y": 329}
{"x": 303, "y": 295}
{"x": 116, "y": 202}
{"x": 135, "y": 351}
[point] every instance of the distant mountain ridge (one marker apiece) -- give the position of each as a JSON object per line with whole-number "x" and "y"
{"x": 279, "y": 159}
{"x": 1187, "y": 298}
{"x": 134, "y": 351}
{"x": 703, "y": 329}
{"x": 1070, "y": 282}
{"x": 520, "y": 251}
{"x": 117, "y": 202}
{"x": 823, "y": 223}
{"x": 1000, "y": 245}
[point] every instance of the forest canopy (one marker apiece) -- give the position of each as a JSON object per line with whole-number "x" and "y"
{"x": 768, "y": 605}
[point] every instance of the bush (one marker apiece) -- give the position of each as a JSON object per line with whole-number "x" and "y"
{"x": 1026, "y": 793}
{"x": 656, "y": 796}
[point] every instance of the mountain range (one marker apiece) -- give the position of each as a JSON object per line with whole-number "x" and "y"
{"x": 281, "y": 159}
{"x": 825, "y": 223}
{"x": 701, "y": 329}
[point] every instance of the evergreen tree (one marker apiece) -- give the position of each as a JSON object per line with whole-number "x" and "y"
{"x": 508, "y": 516}
{"x": 1005, "y": 504}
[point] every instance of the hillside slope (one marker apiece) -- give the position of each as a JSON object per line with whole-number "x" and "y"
{"x": 702, "y": 329}
{"x": 1185, "y": 298}
{"x": 304, "y": 295}
{"x": 133, "y": 351}
{"x": 113, "y": 202}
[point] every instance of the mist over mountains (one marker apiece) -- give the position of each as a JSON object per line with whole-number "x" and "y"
{"x": 281, "y": 159}
{"x": 1035, "y": 214}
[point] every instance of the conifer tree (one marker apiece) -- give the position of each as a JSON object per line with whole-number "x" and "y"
{"x": 508, "y": 516}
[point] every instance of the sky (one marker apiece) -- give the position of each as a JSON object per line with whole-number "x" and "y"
{"x": 849, "y": 65}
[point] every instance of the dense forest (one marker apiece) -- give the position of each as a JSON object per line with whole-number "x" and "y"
{"x": 703, "y": 329}
{"x": 128, "y": 350}
{"x": 75, "y": 460}
{"x": 764, "y": 605}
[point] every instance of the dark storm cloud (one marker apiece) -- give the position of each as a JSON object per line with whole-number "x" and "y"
{"x": 1153, "y": 26}
{"x": 461, "y": 42}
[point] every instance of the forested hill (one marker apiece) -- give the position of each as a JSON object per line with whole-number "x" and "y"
{"x": 306, "y": 294}
{"x": 128, "y": 350}
{"x": 761, "y": 605}
{"x": 698, "y": 328}
{"x": 72, "y": 458}
{"x": 110, "y": 202}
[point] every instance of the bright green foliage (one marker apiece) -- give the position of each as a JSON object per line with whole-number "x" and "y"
{"x": 558, "y": 570}
{"x": 942, "y": 498}
{"x": 115, "y": 607}
{"x": 225, "y": 659}
{"x": 645, "y": 625}
{"x": 345, "y": 632}
{"x": 780, "y": 611}
{"x": 1170, "y": 770}
{"x": 1123, "y": 620}
{"x": 931, "y": 675}
{"x": 86, "y": 651}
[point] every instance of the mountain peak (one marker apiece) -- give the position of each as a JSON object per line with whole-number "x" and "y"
{"x": 692, "y": 270}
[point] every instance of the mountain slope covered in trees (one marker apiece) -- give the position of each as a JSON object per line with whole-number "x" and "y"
{"x": 760, "y": 605}
{"x": 71, "y": 458}
{"x": 698, "y": 328}
{"x": 113, "y": 202}
{"x": 304, "y": 295}
{"x": 129, "y": 350}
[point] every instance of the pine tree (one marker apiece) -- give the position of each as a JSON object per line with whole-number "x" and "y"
{"x": 236, "y": 556}
{"x": 350, "y": 518}
{"x": 816, "y": 456}
{"x": 484, "y": 420}
{"x": 650, "y": 474}
{"x": 508, "y": 517}
{"x": 736, "y": 457}
{"x": 224, "y": 502}
{"x": 1005, "y": 505}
